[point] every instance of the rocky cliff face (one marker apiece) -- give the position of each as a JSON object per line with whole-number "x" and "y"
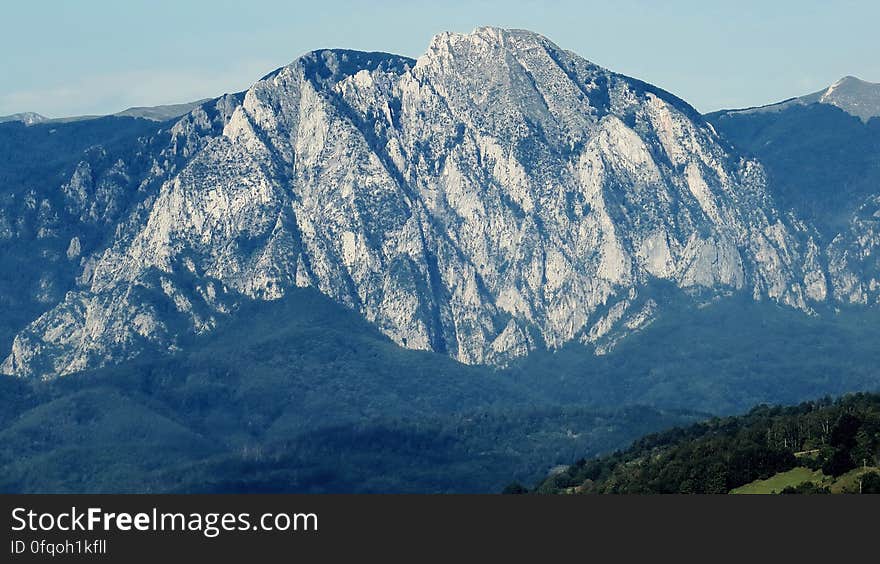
{"x": 496, "y": 195}
{"x": 853, "y": 257}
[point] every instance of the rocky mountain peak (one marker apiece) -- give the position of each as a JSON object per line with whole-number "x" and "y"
{"x": 854, "y": 96}
{"x": 489, "y": 37}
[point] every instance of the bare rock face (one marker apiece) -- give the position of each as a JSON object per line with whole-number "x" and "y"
{"x": 853, "y": 260}
{"x": 496, "y": 195}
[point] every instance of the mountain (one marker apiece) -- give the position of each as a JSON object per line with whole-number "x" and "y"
{"x": 497, "y": 196}
{"x": 27, "y": 118}
{"x": 375, "y": 273}
{"x": 852, "y": 95}
{"x": 821, "y": 446}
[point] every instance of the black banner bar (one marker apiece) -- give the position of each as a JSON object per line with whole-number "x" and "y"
{"x": 336, "y": 528}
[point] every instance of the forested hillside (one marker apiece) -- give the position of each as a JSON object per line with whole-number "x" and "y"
{"x": 297, "y": 395}
{"x": 822, "y": 446}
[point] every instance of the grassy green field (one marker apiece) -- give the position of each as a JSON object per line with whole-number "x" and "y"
{"x": 847, "y": 483}
{"x": 779, "y": 482}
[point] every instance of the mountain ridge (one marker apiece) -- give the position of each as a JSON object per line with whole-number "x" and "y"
{"x": 162, "y": 112}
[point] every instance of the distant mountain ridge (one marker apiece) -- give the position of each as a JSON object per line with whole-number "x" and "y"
{"x": 852, "y": 95}
{"x": 153, "y": 113}
{"x": 27, "y": 118}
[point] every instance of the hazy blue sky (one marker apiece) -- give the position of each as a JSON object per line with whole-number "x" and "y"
{"x": 96, "y": 56}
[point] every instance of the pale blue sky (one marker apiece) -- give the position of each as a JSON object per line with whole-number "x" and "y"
{"x": 99, "y": 56}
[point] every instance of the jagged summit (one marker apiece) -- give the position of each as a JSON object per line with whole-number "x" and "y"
{"x": 327, "y": 66}
{"x": 495, "y": 36}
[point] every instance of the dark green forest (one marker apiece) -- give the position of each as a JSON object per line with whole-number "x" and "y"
{"x": 297, "y": 395}
{"x": 302, "y": 395}
{"x": 834, "y": 442}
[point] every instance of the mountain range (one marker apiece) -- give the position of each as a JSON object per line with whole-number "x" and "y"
{"x": 503, "y": 205}
{"x": 496, "y": 196}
